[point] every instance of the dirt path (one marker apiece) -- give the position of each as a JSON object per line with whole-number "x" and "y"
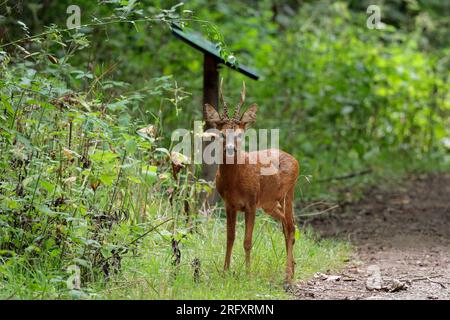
{"x": 401, "y": 240}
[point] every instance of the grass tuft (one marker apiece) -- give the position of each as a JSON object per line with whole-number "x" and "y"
{"x": 152, "y": 275}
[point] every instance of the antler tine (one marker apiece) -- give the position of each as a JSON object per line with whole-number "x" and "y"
{"x": 241, "y": 102}
{"x": 225, "y": 106}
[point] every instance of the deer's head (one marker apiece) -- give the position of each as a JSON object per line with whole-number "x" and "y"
{"x": 231, "y": 128}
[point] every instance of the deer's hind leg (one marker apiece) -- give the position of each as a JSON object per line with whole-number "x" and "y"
{"x": 283, "y": 211}
{"x": 275, "y": 210}
{"x": 289, "y": 234}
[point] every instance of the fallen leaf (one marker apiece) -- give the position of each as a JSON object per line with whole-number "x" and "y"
{"x": 70, "y": 180}
{"x": 179, "y": 159}
{"x": 320, "y": 275}
{"x": 397, "y": 285}
{"x": 333, "y": 278}
{"x": 52, "y": 59}
{"x": 68, "y": 153}
{"x": 148, "y": 131}
{"x": 326, "y": 277}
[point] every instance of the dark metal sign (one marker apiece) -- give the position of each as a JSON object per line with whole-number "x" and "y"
{"x": 198, "y": 42}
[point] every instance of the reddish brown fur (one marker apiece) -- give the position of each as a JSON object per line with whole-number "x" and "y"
{"x": 243, "y": 188}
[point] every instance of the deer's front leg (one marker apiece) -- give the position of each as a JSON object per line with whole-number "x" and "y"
{"x": 231, "y": 233}
{"x": 250, "y": 214}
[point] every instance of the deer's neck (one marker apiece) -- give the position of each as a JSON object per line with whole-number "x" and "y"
{"x": 232, "y": 167}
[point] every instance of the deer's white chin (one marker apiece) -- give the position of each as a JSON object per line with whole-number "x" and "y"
{"x": 229, "y": 149}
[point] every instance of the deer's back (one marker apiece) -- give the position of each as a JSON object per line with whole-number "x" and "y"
{"x": 275, "y": 187}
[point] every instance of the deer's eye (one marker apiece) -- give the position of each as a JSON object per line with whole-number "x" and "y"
{"x": 239, "y": 135}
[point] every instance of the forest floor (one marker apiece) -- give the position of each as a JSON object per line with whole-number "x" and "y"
{"x": 401, "y": 241}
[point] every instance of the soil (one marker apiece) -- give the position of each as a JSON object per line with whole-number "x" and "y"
{"x": 404, "y": 233}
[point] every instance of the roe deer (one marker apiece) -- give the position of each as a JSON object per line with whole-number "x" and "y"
{"x": 242, "y": 185}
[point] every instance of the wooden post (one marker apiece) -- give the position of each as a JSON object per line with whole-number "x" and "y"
{"x": 211, "y": 96}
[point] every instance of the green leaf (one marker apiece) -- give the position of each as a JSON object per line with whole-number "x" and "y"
{"x": 32, "y": 248}
{"x": 12, "y": 204}
{"x": 82, "y": 262}
{"x": 130, "y": 146}
{"x": 47, "y": 186}
{"x": 103, "y": 156}
{"x": 149, "y": 175}
{"x": 105, "y": 252}
{"x": 297, "y": 234}
{"x": 134, "y": 179}
{"x": 55, "y": 252}
{"x": 163, "y": 150}
{"x": 8, "y": 106}
{"x": 42, "y": 208}
{"x": 107, "y": 179}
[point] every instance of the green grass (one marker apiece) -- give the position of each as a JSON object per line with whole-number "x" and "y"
{"x": 152, "y": 276}
{"x": 149, "y": 273}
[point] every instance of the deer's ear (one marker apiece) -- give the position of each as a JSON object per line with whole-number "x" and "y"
{"x": 249, "y": 116}
{"x": 211, "y": 115}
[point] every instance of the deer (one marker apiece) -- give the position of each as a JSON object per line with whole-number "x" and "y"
{"x": 244, "y": 187}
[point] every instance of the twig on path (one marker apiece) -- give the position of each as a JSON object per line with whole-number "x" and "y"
{"x": 422, "y": 278}
{"x": 429, "y": 278}
{"x": 439, "y": 283}
{"x": 318, "y": 213}
{"x": 314, "y": 204}
{"x": 347, "y": 176}
{"x": 330, "y": 289}
{"x": 346, "y": 277}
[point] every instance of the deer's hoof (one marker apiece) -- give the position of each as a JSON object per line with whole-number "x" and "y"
{"x": 287, "y": 286}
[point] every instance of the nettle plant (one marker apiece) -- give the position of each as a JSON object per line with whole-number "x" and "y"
{"x": 81, "y": 183}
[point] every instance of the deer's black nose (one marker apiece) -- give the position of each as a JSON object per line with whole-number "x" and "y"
{"x": 229, "y": 149}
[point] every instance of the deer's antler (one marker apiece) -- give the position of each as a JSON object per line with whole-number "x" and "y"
{"x": 237, "y": 111}
{"x": 225, "y": 106}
